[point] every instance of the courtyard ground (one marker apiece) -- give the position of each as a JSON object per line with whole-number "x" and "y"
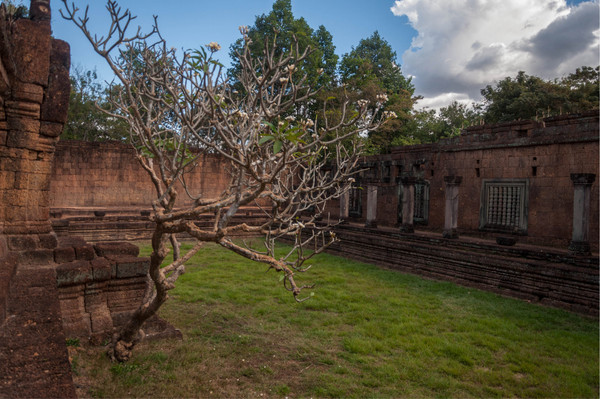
{"x": 366, "y": 332}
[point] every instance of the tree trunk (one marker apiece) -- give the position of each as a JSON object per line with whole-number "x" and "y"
{"x": 125, "y": 340}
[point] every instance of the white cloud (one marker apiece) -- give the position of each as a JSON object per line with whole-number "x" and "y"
{"x": 464, "y": 45}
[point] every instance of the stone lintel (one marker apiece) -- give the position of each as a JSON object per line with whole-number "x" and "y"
{"x": 408, "y": 180}
{"x": 583, "y": 179}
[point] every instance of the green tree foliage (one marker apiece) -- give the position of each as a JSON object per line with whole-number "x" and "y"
{"x": 14, "y": 10}
{"x": 282, "y": 28}
{"x": 86, "y": 120}
{"x": 429, "y": 126}
{"x": 374, "y": 62}
{"x": 372, "y": 70}
{"x": 529, "y": 97}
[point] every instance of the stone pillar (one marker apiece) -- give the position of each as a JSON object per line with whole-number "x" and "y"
{"x": 580, "y": 244}
{"x": 345, "y": 204}
{"x": 371, "y": 206}
{"x": 34, "y": 97}
{"x": 451, "y": 211}
{"x": 408, "y": 204}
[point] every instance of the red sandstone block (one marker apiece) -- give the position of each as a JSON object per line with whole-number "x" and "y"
{"x": 28, "y": 92}
{"x": 129, "y": 266}
{"x": 7, "y": 180}
{"x": 3, "y": 248}
{"x": 20, "y": 139}
{"x": 21, "y": 109}
{"x": 72, "y": 273}
{"x": 21, "y": 180}
{"x": 51, "y": 129}
{"x": 48, "y": 241}
{"x": 64, "y": 255}
{"x": 37, "y": 257}
{"x": 116, "y": 248}
{"x": 3, "y": 135}
{"x": 24, "y": 124}
{"x": 32, "y": 50}
{"x": 23, "y": 242}
{"x": 70, "y": 241}
{"x": 102, "y": 269}
{"x": 85, "y": 252}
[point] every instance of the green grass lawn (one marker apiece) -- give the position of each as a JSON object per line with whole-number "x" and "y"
{"x": 367, "y": 332}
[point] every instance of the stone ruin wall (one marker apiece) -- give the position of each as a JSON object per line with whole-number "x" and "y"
{"x": 107, "y": 175}
{"x": 544, "y": 153}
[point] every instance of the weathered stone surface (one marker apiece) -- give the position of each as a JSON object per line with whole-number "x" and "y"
{"x": 51, "y": 129}
{"x": 129, "y": 266}
{"x": 36, "y": 257}
{"x": 32, "y": 51}
{"x": 116, "y": 248}
{"x": 96, "y": 306}
{"x": 75, "y": 320}
{"x": 73, "y": 273}
{"x": 28, "y": 92}
{"x": 48, "y": 241}
{"x": 33, "y": 358}
{"x": 23, "y": 242}
{"x": 71, "y": 241}
{"x": 85, "y": 252}
{"x": 59, "y": 85}
{"x": 64, "y": 254}
{"x": 108, "y": 175}
{"x": 101, "y": 269}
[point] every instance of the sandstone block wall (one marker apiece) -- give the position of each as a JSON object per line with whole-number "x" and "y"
{"x": 544, "y": 153}
{"x": 100, "y": 175}
{"x": 548, "y": 277}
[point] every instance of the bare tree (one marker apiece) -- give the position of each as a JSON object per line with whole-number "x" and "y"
{"x": 180, "y": 106}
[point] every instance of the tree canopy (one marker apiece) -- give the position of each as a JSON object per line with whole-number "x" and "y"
{"x": 530, "y": 97}
{"x": 373, "y": 61}
{"x": 281, "y": 28}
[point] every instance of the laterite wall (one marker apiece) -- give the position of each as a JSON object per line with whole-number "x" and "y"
{"x": 545, "y": 153}
{"x": 100, "y": 175}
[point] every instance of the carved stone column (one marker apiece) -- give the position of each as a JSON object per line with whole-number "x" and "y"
{"x": 371, "y": 206}
{"x": 451, "y": 211}
{"x": 345, "y": 205}
{"x": 580, "y": 244}
{"x": 408, "y": 204}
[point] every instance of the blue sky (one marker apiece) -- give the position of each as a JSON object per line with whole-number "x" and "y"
{"x": 452, "y": 48}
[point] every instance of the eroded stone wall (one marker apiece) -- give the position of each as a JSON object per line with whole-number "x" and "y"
{"x": 87, "y": 174}
{"x": 34, "y": 93}
{"x": 545, "y": 154}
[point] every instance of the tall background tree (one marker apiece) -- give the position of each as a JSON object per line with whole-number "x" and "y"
{"x": 371, "y": 68}
{"x": 286, "y": 31}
